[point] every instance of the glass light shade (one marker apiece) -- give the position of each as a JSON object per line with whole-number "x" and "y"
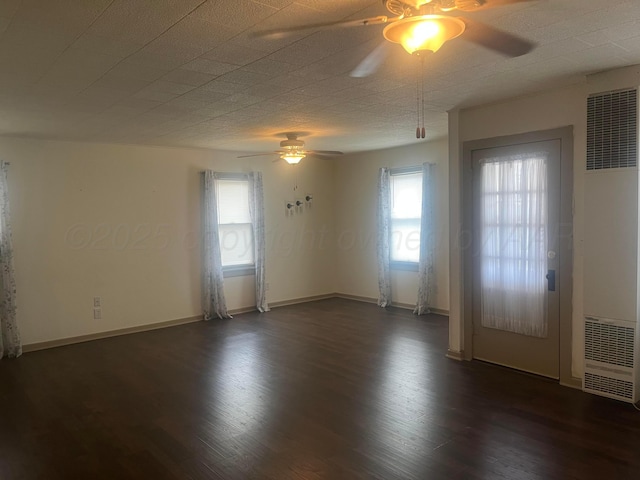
{"x": 425, "y": 32}
{"x": 293, "y": 157}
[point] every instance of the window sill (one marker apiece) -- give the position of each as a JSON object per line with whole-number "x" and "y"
{"x": 238, "y": 270}
{"x": 404, "y": 266}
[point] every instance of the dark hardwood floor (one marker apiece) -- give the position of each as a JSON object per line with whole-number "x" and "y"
{"x": 326, "y": 390}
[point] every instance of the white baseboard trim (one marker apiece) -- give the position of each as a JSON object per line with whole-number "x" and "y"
{"x": 453, "y": 355}
{"x": 282, "y": 303}
{"x": 357, "y": 298}
{"x": 241, "y": 310}
{"x": 405, "y": 306}
{"x": 295, "y": 301}
{"x": 573, "y": 382}
{"x": 440, "y": 311}
{"x": 437, "y": 311}
{"x": 33, "y": 347}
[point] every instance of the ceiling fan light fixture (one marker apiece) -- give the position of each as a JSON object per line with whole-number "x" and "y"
{"x": 424, "y": 32}
{"x": 292, "y": 158}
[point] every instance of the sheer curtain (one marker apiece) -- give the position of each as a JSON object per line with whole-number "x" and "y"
{"x": 514, "y": 243}
{"x": 9, "y": 336}
{"x": 384, "y": 215}
{"x": 256, "y": 209}
{"x": 213, "y": 301}
{"x": 426, "y": 276}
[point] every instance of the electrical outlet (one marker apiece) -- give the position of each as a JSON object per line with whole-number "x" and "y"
{"x": 97, "y": 314}
{"x": 97, "y": 303}
{"x": 266, "y": 286}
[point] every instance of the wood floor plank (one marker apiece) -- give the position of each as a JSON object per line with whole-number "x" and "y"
{"x": 333, "y": 389}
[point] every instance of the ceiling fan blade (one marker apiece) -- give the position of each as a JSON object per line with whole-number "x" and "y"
{"x": 324, "y": 152}
{"x": 372, "y": 62}
{"x": 281, "y": 32}
{"x": 494, "y": 39}
{"x": 258, "y": 154}
{"x": 486, "y": 4}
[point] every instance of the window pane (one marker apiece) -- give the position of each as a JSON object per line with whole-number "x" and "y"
{"x": 233, "y": 201}
{"x": 405, "y": 240}
{"x": 234, "y": 222}
{"x": 406, "y": 195}
{"x": 236, "y": 244}
{"x": 406, "y": 210}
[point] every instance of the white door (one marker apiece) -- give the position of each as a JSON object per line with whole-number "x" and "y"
{"x": 516, "y": 197}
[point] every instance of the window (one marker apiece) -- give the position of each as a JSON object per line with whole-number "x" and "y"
{"x": 406, "y": 208}
{"x": 234, "y": 225}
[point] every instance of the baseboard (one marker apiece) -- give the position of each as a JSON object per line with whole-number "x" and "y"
{"x": 573, "y": 382}
{"x": 295, "y": 301}
{"x": 238, "y": 311}
{"x": 437, "y": 311}
{"x": 453, "y": 355}
{"x": 406, "y": 306}
{"x": 357, "y": 298}
{"x": 33, "y": 347}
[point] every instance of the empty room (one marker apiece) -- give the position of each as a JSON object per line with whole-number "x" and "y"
{"x": 319, "y": 239}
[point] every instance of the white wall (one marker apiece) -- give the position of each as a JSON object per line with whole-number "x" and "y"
{"x": 356, "y": 179}
{"x": 566, "y": 106}
{"x": 123, "y": 223}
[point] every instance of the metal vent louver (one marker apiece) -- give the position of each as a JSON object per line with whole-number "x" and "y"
{"x": 610, "y": 366}
{"x": 612, "y": 130}
{"x": 612, "y": 344}
{"x": 612, "y": 386}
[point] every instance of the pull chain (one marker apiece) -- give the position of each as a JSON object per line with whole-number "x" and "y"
{"x": 422, "y": 80}
{"x": 418, "y": 100}
{"x": 420, "y": 131}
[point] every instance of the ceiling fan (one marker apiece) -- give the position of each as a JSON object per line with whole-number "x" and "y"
{"x": 422, "y": 26}
{"x": 292, "y": 150}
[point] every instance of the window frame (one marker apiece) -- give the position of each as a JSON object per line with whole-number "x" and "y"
{"x": 238, "y": 270}
{"x": 403, "y": 265}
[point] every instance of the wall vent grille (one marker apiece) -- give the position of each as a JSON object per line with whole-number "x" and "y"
{"x": 606, "y": 343}
{"x": 609, "y": 358}
{"x": 612, "y": 130}
{"x": 607, "y": 385}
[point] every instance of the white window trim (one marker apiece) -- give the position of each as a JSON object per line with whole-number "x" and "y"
{"x": 400, "y": 265}
{"x": 238, "y": 270}
{"x": 404, "y": 266}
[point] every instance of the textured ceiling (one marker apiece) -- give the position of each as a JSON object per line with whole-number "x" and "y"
{"x": 188, "y": 73}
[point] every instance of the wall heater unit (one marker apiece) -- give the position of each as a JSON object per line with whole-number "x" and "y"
{"x": 610, "y": 368}
{"x": 611, "y": 248}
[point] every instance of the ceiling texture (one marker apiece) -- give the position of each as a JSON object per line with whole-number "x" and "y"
{"x": 188, "y": 73}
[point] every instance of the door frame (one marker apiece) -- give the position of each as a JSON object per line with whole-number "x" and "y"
{"x": 564, "y": 276}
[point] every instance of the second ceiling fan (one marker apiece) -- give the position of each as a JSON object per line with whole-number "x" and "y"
{"x": 422, "y": 26}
